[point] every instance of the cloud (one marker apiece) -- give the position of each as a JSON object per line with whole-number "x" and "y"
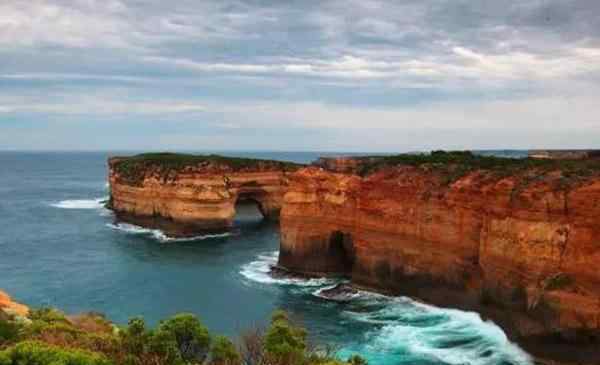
{"x": 465, "y": 65}
{"x": 44, "y": 23}
{"x": 104, "y": 106}
{"x": 361, "y": 66}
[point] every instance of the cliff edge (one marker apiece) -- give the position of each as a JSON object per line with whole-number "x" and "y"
{"x": 516, "y": 239}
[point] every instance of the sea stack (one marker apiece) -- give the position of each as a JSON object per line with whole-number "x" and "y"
{"x": 188, "y": 194}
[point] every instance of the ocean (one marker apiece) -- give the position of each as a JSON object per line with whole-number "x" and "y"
{"x": 60, "y": 247}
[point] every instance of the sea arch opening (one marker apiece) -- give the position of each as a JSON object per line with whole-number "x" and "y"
{"x": 341, "y": 252}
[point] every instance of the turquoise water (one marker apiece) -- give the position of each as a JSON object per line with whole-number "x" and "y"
{"x": 60, "y": 247}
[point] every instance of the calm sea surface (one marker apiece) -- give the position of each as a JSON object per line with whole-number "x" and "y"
{"x": 60, "y": 247}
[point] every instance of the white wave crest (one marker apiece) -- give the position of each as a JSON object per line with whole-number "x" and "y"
{"x": 446, "y": 335}
{"x": 160, "y": 235}
{"x": 260, "y": 271}
{"x": 342, "y": 297}
{"x": 97, "y": 203}
{"x": 403, "y": 328}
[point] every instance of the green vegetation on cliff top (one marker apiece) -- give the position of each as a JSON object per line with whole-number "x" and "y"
{"x": 133, "y": 168}
{"x": 49, "y": 337}
{"x": 458, "y": 163}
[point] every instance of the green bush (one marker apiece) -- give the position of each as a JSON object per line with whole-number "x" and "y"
{"x": 191, "y": 335}
{"x": 284, "y": 342}
{"x": 88, "y": 339}
{"x": 223, "y": 352}
{"x": 162, "y": 345}
{"x": 135, "y": 337}
{"x": 37, "y": 353}
{"x": 48, "y": 315}
{"x": 9, "y": 331}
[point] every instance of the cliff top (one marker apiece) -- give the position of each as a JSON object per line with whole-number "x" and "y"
{"x": 134, "y": 168}
{"x": 459, "y": 163}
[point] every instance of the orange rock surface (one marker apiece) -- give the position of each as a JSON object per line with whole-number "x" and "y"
{"x": 11, "y": 307}
{"x": 195, "y": 198}
{"x": 522, "y": 248}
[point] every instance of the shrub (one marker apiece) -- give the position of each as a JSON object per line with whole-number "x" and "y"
{"x": 190, "y": 334}
{"x": 48, "y": 315}
{"x": 9, "y": 331}
{"x": 252, "y": 343}
{"x": 284, "y": 342}
{"x": 143, "y": 346}
{"x": 135, "y": 337}
{"x": 37, "y": 353}
{"x": 162, "y": 347}
{"x": 223, "y": 352}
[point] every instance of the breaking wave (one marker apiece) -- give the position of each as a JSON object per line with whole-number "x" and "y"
{"x": 400, "y": 330}
{"x": 260, "y": 271}
{"x": 159, "y": 235}
{"x": 97, "y": 203}
{"x": 404, "y": 328}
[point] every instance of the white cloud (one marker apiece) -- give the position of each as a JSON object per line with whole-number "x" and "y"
{"x": 104, "y": 106}
{"x": 47, "y": 76}
{"x": 464, "y": 65}
{"x": 35, "y": 23}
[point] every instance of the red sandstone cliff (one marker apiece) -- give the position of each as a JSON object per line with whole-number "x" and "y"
{"x": 185, "y": 194}
{"x": 522, "y": 246}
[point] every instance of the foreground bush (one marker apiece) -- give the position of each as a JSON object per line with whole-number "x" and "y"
{"x": 49, "y": 337}
{"x": 223, "y": 352}
{"x": 190, "y": 334}
{"x": 38, "y": 353}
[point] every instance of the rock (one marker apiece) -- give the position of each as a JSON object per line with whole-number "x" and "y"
{"x": 342, "y": 292}
{"x": 496, "y": 242}
{"x": 184, "y": 195}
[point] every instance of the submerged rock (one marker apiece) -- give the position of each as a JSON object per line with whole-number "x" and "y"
{"x": 343, "y": 292}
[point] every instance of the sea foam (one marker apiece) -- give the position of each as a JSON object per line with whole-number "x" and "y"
{"x": 97, "y": 203}
{"x": 260, "y": 271}
{"x": 160, "y": 235}
{"x": 404, "y": 330}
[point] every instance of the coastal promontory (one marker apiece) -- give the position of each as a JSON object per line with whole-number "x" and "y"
{"x": 186, "y": 194}
{"x": 515, "y": 239}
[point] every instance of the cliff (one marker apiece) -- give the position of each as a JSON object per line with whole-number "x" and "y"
{"x": 187, "y": 194}
{"x": 517, "y": 240}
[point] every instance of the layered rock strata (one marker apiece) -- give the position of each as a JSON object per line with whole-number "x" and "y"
{"x": 518, "y": 240}
{"x": 184, "y": 195}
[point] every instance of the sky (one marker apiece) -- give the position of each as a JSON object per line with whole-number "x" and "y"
{"x": 299, "y": 75}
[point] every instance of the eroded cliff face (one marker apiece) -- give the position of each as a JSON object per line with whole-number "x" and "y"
{"x": 523, "y": 248}
{"x": 196, "y": 196}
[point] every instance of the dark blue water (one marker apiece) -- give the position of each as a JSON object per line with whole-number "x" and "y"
{"x": 60, "y": 247}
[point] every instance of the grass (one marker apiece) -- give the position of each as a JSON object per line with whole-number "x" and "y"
{"x": 456, "y": 164}
{"x": 132, "y": 169}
